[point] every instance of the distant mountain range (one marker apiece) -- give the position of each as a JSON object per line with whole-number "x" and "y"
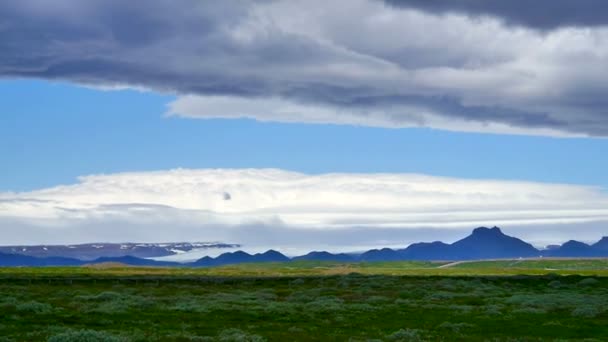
{"x": 483, "y": 243}
{"x": 92, "y": 251}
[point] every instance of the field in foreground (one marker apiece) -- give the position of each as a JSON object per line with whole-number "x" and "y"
{"x": 402, "y": 301}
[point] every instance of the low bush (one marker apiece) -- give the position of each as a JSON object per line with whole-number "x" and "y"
{"x": 85, "y": 336}
{"x": 455, "y": 327}
{"x": 587, "y": 311}
{"x": 237, "y": 335}
{"x": 405, "y": 335}
{"x": 588, "y": 282}
{"x": 34, "y": 307}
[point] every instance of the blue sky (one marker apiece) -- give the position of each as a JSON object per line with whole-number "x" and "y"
{"x": 54, "y": 132}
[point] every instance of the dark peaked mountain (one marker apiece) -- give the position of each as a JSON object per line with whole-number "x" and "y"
{"x": 491, "y": 243}
{"x": 483, "y": 243}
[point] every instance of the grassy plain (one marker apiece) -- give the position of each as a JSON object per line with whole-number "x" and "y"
{"x": 517, "y": 300}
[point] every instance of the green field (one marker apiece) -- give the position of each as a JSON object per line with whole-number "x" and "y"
{"x": 518, "y": 300}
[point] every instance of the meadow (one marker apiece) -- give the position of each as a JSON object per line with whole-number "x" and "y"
{"x": 515, "y": 300}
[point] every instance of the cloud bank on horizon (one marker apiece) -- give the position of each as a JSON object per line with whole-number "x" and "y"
{"x": 514, "y": 67}
{"x": 282, "y": 209}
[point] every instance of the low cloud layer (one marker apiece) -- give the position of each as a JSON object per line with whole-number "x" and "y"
{"x": 487, "y": 66}
{"x": 281, "y": 209}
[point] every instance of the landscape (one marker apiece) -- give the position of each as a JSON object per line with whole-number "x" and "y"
{"x": 303, "y": 170}
{"x": 506, "y": 300}
{"x": 482, "y": 244}
{"x": 426, "y": 292}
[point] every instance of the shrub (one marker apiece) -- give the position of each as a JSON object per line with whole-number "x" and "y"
{"x": 493, "y": 309}
{"x": 103, "y": 296}
{"x": 34, "y": 307}
{"x": 296, "y": 282}
{"x": 400, "y": 301}
{"x": 377, "y": 300}
{"x": 302, "y": 296}
{"x": 85, "y": 336}
{"x": 189, "y": 306}
{"x": 264, "y": 295}
{"x": 326, "y": 304}
{"x": 461, "y": 309}
{"x": 555, "y": 301}
{"x": 530, "y": 311}
{"x": 586, "y": 311}
{"x": 364, "y": 307}
{"x": 405, "y": 335}
{"x": 556, "y": 284}
{"x": 455, "y": 327}
{"x": 588, "y": 282}
{"x": 441, "y": 296}
{"x": 188, "y": 337}
{"x": 295, "y": 330}
{"x": 280, "y": 308}
{"x": 237, "y": 335}
{"x": 112, "y": 302}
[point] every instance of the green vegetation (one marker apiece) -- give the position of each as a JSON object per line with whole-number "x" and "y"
{"x": 541, "y": 264}
{"x": 305, "y": 301}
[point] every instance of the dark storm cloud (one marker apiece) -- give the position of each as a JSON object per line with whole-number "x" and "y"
{"x": 312, "y": 53}
{"x": 537, "y": 14}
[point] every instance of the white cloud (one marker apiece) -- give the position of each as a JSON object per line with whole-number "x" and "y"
{"x": 395, "y": 116}
{"x": 284, "y": 209}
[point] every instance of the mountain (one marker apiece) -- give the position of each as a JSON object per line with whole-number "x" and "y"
{"x": 482, "y": 243}
{"x": 91, "y": 251}
{"x": 133, "y": 261}
{"x": 270, "y": 256}
{"x": 491, "y": 243}
{"x": 428, "y": 251}
{"x": 25, "y": 260}
{"x": 325, "y": 256}
{"x": 384, "y": 254}
{"x": 240, "y": 257}
{"x": 30, "y": 261}
{"x": 602, "y": 245}
{"x": 574, "y": 248}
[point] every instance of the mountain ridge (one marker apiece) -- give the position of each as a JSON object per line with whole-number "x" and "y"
{"x": 482, "y": 243}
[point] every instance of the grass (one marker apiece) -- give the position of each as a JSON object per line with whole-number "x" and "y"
{"x": 321, "y": 268}
{"x": 309, "y": 301}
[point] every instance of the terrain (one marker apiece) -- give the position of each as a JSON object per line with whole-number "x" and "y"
{"x": 482, "y": 243}
{"x": 497, "y": 300}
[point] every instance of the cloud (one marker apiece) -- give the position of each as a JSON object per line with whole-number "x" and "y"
{"x": 356, "y": 62}
{"x": 281, "y": 209}
{"x": 414, "y": 114}
{"x": 539, "y": 14}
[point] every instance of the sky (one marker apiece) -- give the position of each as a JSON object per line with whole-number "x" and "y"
{"x": 301, "y": 125}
